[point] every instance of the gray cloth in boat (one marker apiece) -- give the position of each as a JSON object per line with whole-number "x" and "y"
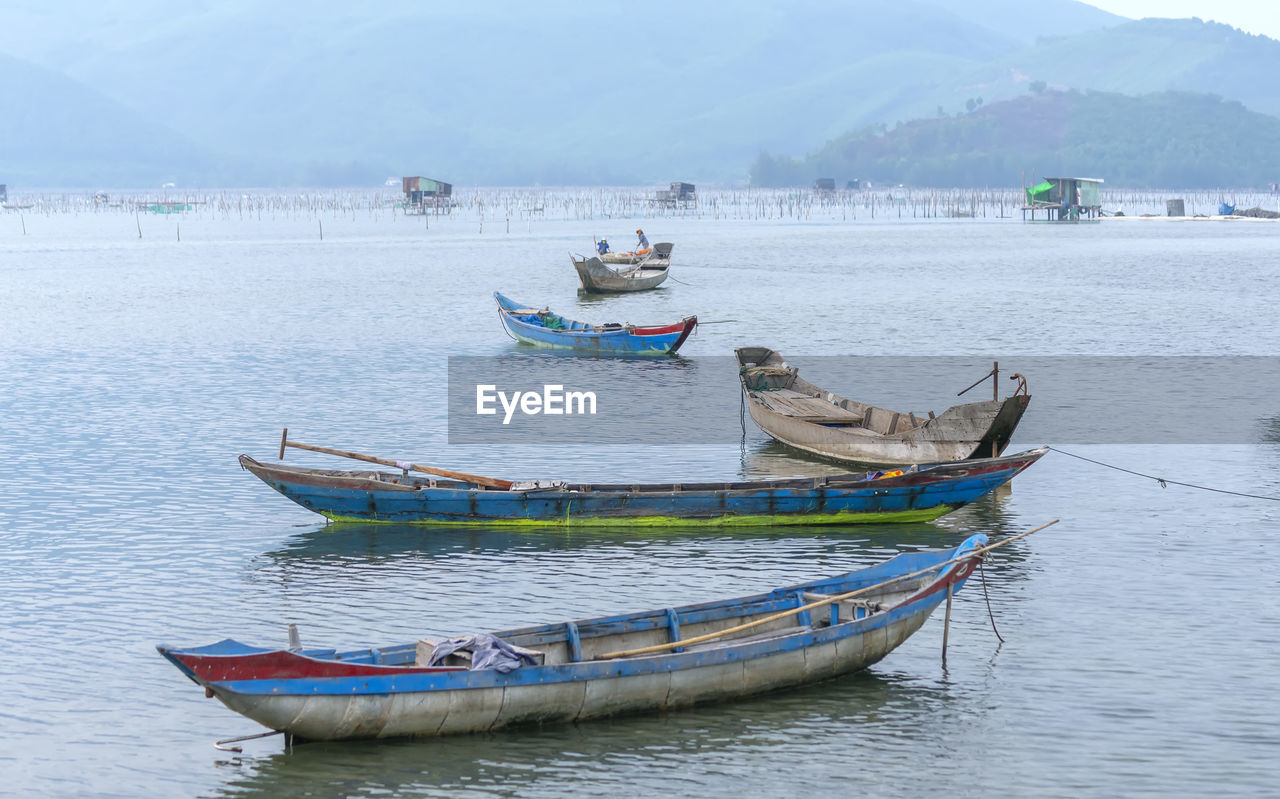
{"x": 487, "y": 652}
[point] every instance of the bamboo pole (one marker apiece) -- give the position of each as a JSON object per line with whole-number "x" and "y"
{"x": 818, "y": 604}
{"x": 492, "y": 482}
{"x": 946, "y": 624}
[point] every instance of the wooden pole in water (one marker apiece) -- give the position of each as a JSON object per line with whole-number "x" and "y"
{"x": 995, "y": 395}
{"x": 492, "y": 482}
{"x": 946, "y": 623}
{"x": 821, "y": 602}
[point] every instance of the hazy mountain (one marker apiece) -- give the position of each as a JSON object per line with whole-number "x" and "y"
{"x": 57, "y": 132}
{"x": 561, "y": 92}
{"x": 1028, "y": 22}
{"x": 1145, "y": 56}
{"x": 1175, "y": 139}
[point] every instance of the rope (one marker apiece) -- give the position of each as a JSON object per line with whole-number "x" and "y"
{"x": 983, "y": 574}
{"x": 937, "y": 567}
{"x": 1164, "y": 481}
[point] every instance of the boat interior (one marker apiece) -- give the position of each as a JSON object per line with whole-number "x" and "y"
{"x": 589, "y": 639}
{"x": 775, "y": 385}
{"x": 393, "y": 481}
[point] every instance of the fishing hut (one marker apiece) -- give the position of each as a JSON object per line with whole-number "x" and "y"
{"x": 423, "y": 194}
{"x": 1064, "y": 199}
{"x": 680, "y": 195}
{"x": 825, "y": 185}
{"x": 4, "y": 194}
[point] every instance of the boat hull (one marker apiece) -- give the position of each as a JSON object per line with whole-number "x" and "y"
{"x": 583, "y": 675}
{"x": 809, "y": 418}
{"x": 386, "y": 497}
{"x": 596, "y": 278}
{"x": 990, "y": 422}
{"x": 574, "y": 693}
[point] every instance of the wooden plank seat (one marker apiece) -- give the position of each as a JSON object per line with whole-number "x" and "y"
{"x": 802, "y": 406}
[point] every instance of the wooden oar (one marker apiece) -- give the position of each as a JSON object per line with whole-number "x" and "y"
{"x": 820, "y": 603}
{"x": 492, "y": 482}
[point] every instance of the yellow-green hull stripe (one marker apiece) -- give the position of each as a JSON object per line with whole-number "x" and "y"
{"x": 843, "y": 517}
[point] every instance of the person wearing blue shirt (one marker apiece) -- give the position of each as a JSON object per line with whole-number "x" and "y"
{"x": 643, "y": 244}
{"x": 602, "y": 246}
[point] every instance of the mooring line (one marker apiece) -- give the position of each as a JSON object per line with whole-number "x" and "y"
{"x": 1164, "y": 481}
{"x": 983, "y": 574}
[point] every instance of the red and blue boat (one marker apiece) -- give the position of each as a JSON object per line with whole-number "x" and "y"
{"x": 542, "y": 328}
{"x": 916, "y": 493}
{"x": 588, "y": 668}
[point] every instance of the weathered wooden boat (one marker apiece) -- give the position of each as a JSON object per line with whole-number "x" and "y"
{"x": 587, "y": 668}
{"x": 597, "y": 278}
{"x": 545, "y": 329}
{"x": 802, "y": 415}
{"x": 659, "y": 254}
{"x": 918, "y": 494}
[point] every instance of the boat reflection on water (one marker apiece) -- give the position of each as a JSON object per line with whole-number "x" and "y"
{"x": 376, "y": 542}
{"x": 363, "y": 560}
{"x": 863, "y": 712}
{"x": 1269, "y": 429}
{"x": 765, "y": 458}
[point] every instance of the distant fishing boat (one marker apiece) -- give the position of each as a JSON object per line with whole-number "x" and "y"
{"x": 587, "y": 668}
{"x": 597, "y": 278}
{"x": 901, "y": 495}
{"x": 802, "y": 415}
{"x": 543, "y": 328}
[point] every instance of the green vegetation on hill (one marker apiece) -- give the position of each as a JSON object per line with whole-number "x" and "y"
{"x": 1169, "y": 139}
{"x": 559, "y": 92}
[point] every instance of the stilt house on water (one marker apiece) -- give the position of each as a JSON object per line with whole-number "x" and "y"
{"x": 1065, "y": 199}
{"x": 681, "y": 195}
{"x": 421, "y": 194}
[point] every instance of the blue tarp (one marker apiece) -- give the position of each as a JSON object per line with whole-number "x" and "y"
{"x": 487, "y": 652}
{"x": 1226, "y": 210}
{"x": 549, "y": 321}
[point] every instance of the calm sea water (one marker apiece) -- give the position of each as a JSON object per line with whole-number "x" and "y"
{"x": 1141, "y": 642}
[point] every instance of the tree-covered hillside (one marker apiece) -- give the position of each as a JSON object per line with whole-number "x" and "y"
{"x": 326, "y": 92}
{"x": 1167, "y": 139}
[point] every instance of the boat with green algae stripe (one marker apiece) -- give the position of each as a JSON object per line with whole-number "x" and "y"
{"x": 907, "y": 495}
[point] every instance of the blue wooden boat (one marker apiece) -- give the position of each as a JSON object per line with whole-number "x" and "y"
{"x": 543, "y": 328}
{"x": 913, "y": 494}
{"x": 587, "y": 668}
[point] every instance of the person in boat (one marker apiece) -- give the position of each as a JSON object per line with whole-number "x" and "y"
{"x": 602, "y": 246}
{"x": 642, "y": 245}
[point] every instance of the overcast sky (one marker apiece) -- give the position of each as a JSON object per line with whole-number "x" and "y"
{"x": 1253, "y": 16}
